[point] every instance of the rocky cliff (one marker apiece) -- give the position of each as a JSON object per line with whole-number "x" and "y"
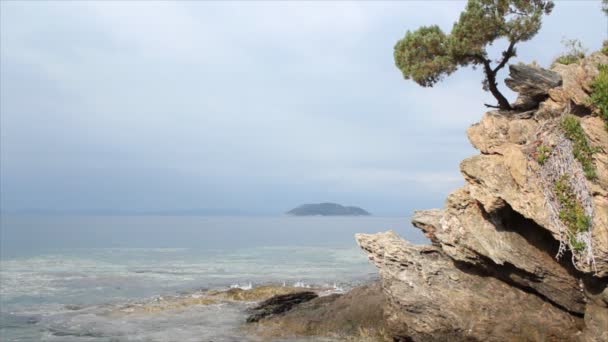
{"x": 520, "y": 252}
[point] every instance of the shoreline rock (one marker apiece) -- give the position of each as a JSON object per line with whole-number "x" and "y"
{"x": 279, "y": 304}
{"x": 501, "y": 266}
{"x": 353, "y": 316}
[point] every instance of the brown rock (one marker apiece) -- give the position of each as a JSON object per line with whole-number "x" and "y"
{"x": 430, "y": 298}
{"x": 279, "y": 304}
{"x": 495, "y": 245}
{"x": 356, "y": 315}
{"x": 506, "y": 245}
{"x": 492, "y": 175}
{"x": 491, "y": 132}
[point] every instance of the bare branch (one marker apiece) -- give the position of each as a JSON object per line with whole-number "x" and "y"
{"x": 510, "y": 52}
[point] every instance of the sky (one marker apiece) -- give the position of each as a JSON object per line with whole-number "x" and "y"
{"x": 238, "y": 107}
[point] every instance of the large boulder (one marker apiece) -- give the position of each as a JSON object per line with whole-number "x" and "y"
{"x": 432, "y": 298}
{"x": 279, "y": 304}
{"x": 354, "y": 316}
{"x": 532, "y": 83}
{"x": 577, "y": 78}
{"x": 505, "y": 244}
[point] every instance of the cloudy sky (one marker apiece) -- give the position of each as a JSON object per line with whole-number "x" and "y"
{"x": 248, "y": 106}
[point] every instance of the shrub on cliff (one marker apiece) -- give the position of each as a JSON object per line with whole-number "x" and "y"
{"x": 428, "y": 54}
{"x": 574, "y": 52}
{"x": 599, "y": 96}
{"x": 572, "y": 214}
{"x": 582, "y": 150}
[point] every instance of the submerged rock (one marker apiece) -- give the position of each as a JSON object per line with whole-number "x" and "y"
{"x": 254, "y": 294}
{"x": 279, "y": 304}
{"x": 354, "y": 316}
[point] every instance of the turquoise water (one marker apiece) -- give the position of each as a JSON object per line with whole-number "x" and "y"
{"x": 62, "y": 278}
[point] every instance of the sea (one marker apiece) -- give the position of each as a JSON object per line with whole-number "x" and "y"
{"x": 70, "y": 278}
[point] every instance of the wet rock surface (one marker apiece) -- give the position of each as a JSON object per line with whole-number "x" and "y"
{"x": 279, "y": 304}
{"x": 357, "y": 315}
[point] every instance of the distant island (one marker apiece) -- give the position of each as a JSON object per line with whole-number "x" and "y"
{"x": 327, "y": 209}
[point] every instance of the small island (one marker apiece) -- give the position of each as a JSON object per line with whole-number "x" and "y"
{"x": 327, "y": 209}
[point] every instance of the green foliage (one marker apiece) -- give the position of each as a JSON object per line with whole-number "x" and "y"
{"x": 542, "y": 154}
{"x": 605, "y": 6}
{"x": 428, "y": 54}
{"x": 567, "y": 59}
{"x": 599, "y": 96}
{"x": 423, "y": 55}
{"x": 576, "y": 244}
{"x": 581, "y": 149}
{"x": 605, "y": 47}
{"x": 574, "y": 52}
{"x": 484, "y": 21}
{"x": 572, "y": 213}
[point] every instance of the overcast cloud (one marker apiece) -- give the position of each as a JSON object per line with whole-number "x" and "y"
{"x": 252, "y": 106}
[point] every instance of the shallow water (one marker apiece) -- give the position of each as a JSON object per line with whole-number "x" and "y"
{"x": 63, "y": 278}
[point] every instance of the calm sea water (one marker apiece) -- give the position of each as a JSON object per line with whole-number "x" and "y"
{"x": 62, "y": 278}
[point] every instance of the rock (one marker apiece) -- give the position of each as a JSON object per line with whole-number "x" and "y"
{"x": 516, "y": 163}
{"x": 596, "y": 321}
{"x": 597, "y": 135}
{"x": 521, "y": 132}
{"x": 572, "y": 89}
{"x": 356, "y": 316}
{"x": 590, "y": 66}
{"x": 279, "y": 304}
{"x": 432, "y": 298}
{"x": 577, "y": 78}
{"x": 499, "y": 267}
{"x": 506, "y": 245}
{"x": 428, "y": 221}
{"x": 490, "y": 132}
{"x": 596, "y": 315}
{"x": 490, "y": 177}
{"x": 495, "y": 130}
{"x": 549, "y": 109}
{"x": 532, "y": 83}
{"x": 257, "y": 293}
{"x": 532, "y": 80}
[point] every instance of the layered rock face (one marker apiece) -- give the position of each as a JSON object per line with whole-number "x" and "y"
{"x": 505, "y": 264}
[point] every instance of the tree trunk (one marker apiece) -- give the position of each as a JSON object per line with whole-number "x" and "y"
{"x": 503, "y": 103}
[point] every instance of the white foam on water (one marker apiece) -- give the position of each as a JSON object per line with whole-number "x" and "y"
{"x": 69, "y": 296}
{"x": 247, "y": 286}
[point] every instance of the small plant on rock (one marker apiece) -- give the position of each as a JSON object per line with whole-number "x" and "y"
{"x": 574, "y": 52}
{"x": 599, "y": 96}
{"x": 572, "y": 214}
{"x": 543, "y": 153}
{"x": 581, "y": 149}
